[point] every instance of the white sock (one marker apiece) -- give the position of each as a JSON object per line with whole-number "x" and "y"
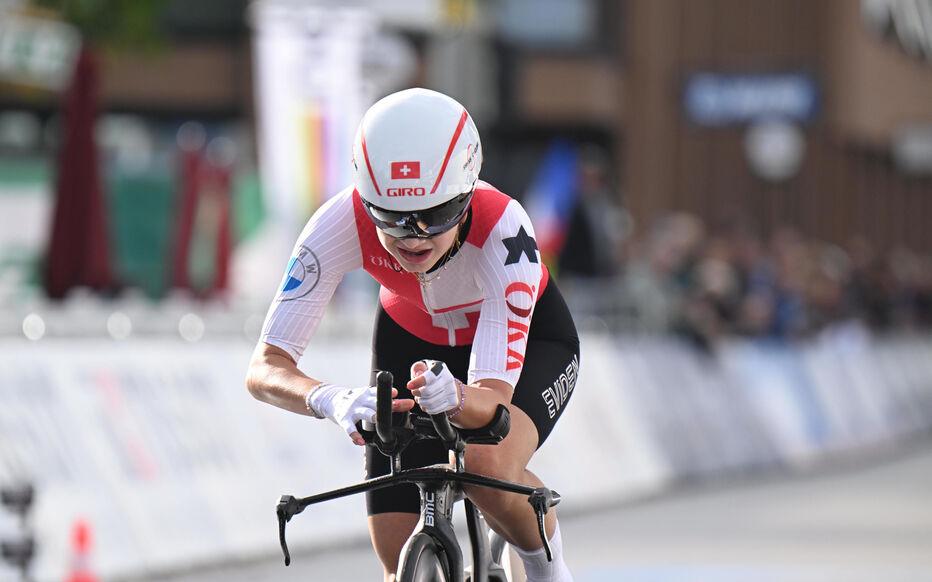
{"x": 536, "y": 566}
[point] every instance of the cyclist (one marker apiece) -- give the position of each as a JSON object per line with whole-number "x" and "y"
{"x": 462, "y": 284}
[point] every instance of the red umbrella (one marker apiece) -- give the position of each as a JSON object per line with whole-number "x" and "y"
{"x": 202, "y": 243}
{"x": 78, "y": 252}
{"x": 223, "y": 184}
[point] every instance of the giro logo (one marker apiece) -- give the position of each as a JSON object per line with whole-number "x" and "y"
{"x": 385, "y": 262}
{"x": 519, "y": 298}
{"x": 302, "y": 275}
{"x": 396, "y": 192}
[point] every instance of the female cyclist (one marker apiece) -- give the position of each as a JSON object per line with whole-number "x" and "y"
{"x": 461, "y": 283}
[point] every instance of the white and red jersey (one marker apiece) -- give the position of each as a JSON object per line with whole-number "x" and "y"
{"x": 484, "y": 295}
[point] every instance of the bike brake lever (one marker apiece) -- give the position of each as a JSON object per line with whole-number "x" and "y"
{"x": 287, "y": 508}
{"x": 541, "y": 499}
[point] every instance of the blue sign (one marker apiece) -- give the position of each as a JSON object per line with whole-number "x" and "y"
{"x": 718, "y": 99}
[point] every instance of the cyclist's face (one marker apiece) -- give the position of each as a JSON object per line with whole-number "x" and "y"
{"x": 418, "y": 255}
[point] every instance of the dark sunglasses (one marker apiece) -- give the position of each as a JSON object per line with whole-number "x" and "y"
{"x": 419, "y": 223}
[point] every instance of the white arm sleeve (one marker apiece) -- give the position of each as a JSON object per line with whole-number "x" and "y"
{"x": 509, "y": 276}
{"x": 327, "y": 249}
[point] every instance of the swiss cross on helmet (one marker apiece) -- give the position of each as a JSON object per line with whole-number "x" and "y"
{"x": 416, "y": 150}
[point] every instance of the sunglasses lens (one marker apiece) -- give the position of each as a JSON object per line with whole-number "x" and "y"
{"x": 421, "y": 223}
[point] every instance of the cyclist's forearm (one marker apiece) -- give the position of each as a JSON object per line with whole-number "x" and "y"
{"x": 276, "y": 380}
{"x": 482, "y": 399}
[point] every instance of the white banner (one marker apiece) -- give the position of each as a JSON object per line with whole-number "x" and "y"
{"x": 311, "y": 97}
{"x": 158, "y": 445}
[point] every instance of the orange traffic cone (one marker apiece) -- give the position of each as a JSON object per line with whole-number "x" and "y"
{"x": 81, "y": 542}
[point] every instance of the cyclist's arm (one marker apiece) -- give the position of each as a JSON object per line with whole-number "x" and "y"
{"x": 274, "y": 378}
{"x": 326, "y": 250}
{"x": 482, "y": 398}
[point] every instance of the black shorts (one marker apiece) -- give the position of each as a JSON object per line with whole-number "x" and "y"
{"x": 547, "y": 380}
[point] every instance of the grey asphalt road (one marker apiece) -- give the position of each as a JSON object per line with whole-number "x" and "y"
{"x": 870, "y": 523}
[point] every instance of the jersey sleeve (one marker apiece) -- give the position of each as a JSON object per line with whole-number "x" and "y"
{"x": 510, "y": 276}
{"x": 327, "y": 249}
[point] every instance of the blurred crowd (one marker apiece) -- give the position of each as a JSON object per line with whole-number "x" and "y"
{"x": 707, "y": 282}
{"x": 686, "y": 277}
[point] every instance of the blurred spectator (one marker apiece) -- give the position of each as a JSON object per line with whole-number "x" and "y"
{"x": 598, "y": 225}
{"x": 654, "y": 282}
{"x": 708, "y": 284}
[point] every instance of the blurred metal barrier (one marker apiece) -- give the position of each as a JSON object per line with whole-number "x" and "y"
{"x": 156, "y": 444}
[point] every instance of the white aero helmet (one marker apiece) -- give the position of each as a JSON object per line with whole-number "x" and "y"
{"x": 416, "y": 150}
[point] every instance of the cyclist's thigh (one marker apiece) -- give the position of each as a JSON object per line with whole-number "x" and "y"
{"x": 536, "y": 405}
{"x": 389, "y": 531}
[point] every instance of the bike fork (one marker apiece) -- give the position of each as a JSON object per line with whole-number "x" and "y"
{"x": 437, "y": 520}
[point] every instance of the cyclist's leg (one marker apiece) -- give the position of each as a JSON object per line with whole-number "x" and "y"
{"x": 540, "y": 397}
{"x": 511, "y": 515}
{"x": 508, "y": 514}
{"x": 389, "y": 532}
{"x": 551, "y": 366}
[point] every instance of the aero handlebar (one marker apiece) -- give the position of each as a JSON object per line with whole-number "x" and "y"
{"x": 391, "y": 440}
{"x": 383, "y": 409}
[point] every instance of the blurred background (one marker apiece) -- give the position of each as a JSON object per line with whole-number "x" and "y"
{"x": 734, "y": 195}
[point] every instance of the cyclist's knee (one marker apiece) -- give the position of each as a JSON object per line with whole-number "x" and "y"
{"x": 508, "y": 459}
{"x": 492, "y": 461}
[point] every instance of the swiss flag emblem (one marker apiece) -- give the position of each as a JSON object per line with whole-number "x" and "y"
{"x": 406, "y": 170}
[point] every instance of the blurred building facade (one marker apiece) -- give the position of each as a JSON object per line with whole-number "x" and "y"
{"x": 871, "y": 92}
{"x": 812, "y": 116}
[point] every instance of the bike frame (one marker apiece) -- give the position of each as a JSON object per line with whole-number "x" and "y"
{"x": 437, "y": 500}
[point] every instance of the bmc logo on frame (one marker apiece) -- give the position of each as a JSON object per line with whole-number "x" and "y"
{"x": 395, "y": 192}
{"x": 428, "y": 508}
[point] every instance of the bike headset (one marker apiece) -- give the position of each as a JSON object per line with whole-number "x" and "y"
{"x": 416, "y": 161}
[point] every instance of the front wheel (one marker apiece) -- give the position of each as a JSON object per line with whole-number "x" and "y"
{"x": 422, "y": 561}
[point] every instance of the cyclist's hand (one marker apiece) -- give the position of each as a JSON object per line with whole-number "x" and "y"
{"x": 346, "y": 406}
{"x": 434, "y": 387}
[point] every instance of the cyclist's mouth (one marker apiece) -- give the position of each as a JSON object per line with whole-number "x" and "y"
{"x": 414, "y": 256}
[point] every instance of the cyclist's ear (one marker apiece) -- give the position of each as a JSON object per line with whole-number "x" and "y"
{"x": 418, "y": 368}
